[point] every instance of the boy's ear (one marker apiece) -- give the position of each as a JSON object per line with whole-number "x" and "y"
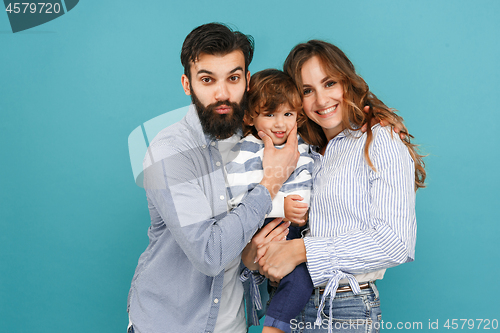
{"x": 248, "y": 120}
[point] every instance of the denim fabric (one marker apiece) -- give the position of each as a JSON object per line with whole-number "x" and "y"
{"x": 292, "y": 294}
{"x": 289, "y": 299}
{"x": 351, "y": 313}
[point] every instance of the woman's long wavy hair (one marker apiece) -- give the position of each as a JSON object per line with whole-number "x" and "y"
{"x": 356, "y": 96}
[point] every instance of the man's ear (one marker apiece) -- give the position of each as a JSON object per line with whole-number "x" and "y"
{"x": 248, "y": 80}
{"x": 248, "y": 120}
{"x": 185, "y": 84}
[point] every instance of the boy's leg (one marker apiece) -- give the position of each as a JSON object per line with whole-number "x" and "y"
{"x": 293, "y": 293}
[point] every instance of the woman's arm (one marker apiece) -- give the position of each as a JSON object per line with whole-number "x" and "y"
{"x": 389, "y": 236}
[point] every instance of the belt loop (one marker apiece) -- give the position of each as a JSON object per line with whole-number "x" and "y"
{"x": 316, "y": 297}
{"x": 374, "y": 288}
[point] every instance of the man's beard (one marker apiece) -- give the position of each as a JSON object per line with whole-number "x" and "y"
{"x": 220, "y": 126}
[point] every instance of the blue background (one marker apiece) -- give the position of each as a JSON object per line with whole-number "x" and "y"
{"x": 73, "y": 223}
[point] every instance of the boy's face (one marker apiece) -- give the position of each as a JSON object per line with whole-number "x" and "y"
{"x": 277, "y": 124}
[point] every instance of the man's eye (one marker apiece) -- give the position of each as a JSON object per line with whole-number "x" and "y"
{"x": 234, "y": 78}
{"x": 206, "y": 80}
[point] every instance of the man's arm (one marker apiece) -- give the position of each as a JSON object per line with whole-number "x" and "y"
{"x": 278, "y": 164}
{"x": 176, "y": 185}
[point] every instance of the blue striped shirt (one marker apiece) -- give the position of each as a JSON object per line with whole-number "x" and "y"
{"x": 360, "y": 220}
{"x": 178, "y": 282}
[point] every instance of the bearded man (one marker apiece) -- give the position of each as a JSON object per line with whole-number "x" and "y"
{"x": 187, "y": 278}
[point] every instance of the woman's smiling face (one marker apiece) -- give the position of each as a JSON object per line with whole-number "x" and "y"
{"x": 323, "y": 97}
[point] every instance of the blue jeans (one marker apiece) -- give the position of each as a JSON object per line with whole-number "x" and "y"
{"x": 350, "y": 313}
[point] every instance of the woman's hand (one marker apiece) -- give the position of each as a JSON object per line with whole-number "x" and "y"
{"x": 280, "y": 258}
{"x": 397, "y": 127}
{"x": 270, "y": 232}
{"x": 295, "y": 210}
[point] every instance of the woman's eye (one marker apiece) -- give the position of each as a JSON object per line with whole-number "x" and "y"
{"x": 307, "y": 91}
{"x": 330, "y": 83}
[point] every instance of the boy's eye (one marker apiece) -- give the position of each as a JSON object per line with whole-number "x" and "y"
{"x": 288, "y": 114}
{"x": 269, "y": 115}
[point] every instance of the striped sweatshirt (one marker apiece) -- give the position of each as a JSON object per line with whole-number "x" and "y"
{"x": 244, "y": 172}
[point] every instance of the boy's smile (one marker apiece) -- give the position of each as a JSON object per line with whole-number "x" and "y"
{"x": 277, "y": 124}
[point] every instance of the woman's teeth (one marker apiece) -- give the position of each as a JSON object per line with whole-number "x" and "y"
{"x": 326, "y": 111}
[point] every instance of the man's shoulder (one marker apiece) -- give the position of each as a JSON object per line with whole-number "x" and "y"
{"x": 174, "y": 136}
{"x": 180, "y": 134}
{"x": 176, "y": 140}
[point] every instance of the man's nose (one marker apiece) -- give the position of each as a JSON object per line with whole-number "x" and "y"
{"x": 222, "y": 93}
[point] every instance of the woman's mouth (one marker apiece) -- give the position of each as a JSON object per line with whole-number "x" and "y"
{"x": 327, "y": 111}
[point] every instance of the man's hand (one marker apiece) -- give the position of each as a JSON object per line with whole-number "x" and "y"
{"x": 398, "y": 127}
{"x": 281, "y": 258}
{"x": 271, "y": 232}
{"x": 278, "y": 164}
{"x": 295, "y": 210}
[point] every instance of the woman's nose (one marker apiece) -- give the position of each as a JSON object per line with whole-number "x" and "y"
{"x": 321, "y": 98}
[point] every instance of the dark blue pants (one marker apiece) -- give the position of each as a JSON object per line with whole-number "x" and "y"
{"x": 292, "y": 294}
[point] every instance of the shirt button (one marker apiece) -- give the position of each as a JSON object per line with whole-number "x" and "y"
{"x": 216, "y": 300}
{"x": 212, "y": 143}
{"x": 217, "y": 163}
{"x": 222, "y": 197}
{"x": 204, "y": 146}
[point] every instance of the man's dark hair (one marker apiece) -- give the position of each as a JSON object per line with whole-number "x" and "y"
{"x": 215, "y": 39}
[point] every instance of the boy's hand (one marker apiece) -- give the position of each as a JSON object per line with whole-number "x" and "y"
{"x": 295, "y": 210}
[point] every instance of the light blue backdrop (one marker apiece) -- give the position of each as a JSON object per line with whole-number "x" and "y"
{"x": 73, "y": 222}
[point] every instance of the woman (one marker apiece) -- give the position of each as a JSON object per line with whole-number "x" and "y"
{"x": 362, "y": 213}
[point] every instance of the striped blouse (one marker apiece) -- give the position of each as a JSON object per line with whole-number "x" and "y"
{"x": 361, "y": 221}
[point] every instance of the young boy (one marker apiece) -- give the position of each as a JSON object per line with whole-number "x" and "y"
{"x": 274, "y": 107}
